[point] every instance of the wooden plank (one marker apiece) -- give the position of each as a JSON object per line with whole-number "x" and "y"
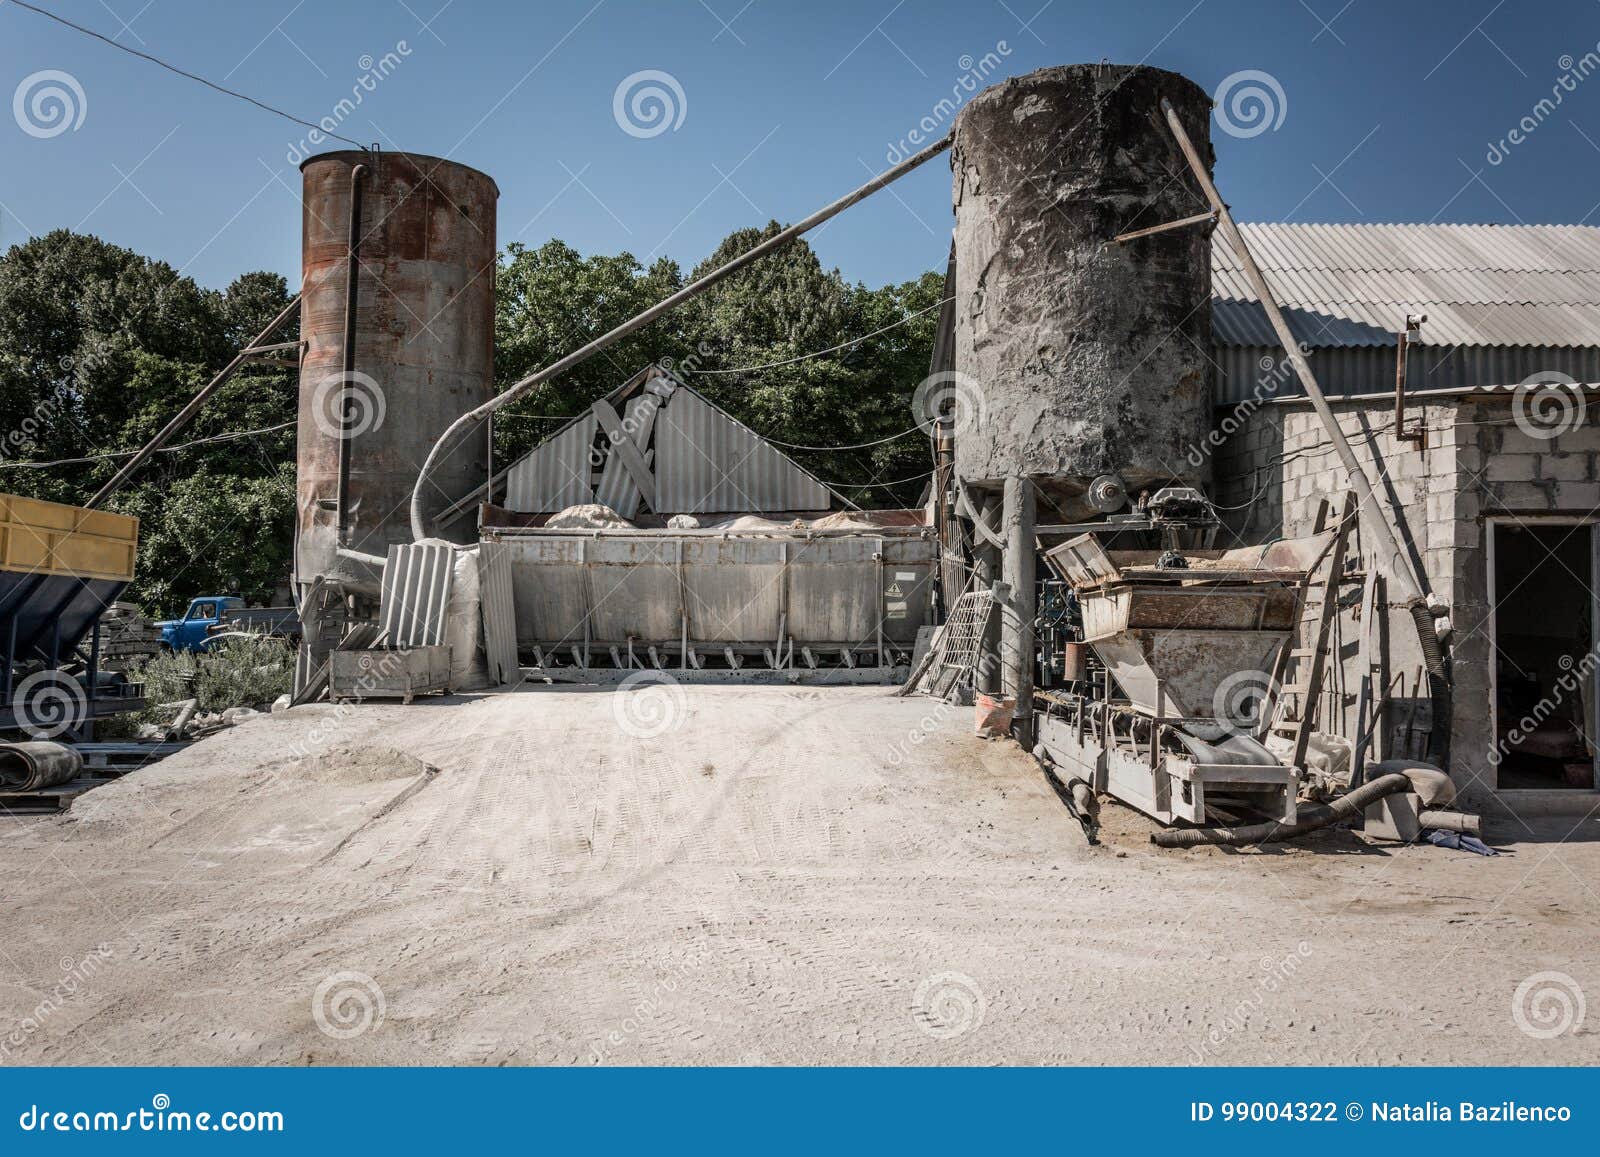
{"x": 1366, "y": 666}
{"x": 1329, "y": 609}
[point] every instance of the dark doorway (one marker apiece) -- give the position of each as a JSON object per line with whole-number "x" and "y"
{"x": 1543, "y": 592}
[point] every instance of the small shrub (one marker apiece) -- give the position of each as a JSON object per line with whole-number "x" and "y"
{"x": 238, "y": 671}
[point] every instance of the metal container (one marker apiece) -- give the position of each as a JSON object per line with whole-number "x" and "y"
{"x": 388, "y": 673}
{"x": 423, "y": 349}
{"x": 633, "y": 590}
{"x": 1085, "y": 357}
{"x": 1174, "y": 638}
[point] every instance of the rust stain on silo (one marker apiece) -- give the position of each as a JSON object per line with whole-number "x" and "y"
{"x": 424, "y": 341}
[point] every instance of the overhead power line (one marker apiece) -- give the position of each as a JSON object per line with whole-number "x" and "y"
{"x": 830, "y": 349}
{"x": 234, "y": 436}
{"x": 181, "y": 72}
{"x": 855, "y": 446}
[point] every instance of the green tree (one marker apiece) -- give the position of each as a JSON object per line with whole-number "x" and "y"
{"x": 99, "y": 348}
{"x": 552, "y": 300}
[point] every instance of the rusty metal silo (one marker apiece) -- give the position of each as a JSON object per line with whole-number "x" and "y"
{"x": 382, "y": 379}
{"x": 1089, "y": 357}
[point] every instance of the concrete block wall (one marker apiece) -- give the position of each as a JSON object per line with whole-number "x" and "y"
{"x": 1276, "y": 464}
{"x": 1280, "y": 454}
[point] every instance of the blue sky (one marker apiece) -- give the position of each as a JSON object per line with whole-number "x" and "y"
{"x": 1387, "y": 112}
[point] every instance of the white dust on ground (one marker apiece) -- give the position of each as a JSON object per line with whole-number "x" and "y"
{"x": 779, "y": 876}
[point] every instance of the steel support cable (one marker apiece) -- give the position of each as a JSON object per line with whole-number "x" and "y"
{"x": 475, "y": 417}
{"x": 856, "y": 446}
{"x": 831, "y": 349}
{"x": 183, "y": 73}
{"x": 231, "y": 436}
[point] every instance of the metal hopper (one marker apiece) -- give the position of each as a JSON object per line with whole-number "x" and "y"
{"x": 1180, "y": 640}
{"x": 1173, "y": 636}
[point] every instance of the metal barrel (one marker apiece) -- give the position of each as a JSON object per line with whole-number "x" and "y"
{"x": 387, "y": 369}
{"x": 1089, "y": 356}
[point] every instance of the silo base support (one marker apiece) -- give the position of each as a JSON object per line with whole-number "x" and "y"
{"x": 1017, "y": 611}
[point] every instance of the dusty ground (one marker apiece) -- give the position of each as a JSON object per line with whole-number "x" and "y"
{"x": 778, "y": 876}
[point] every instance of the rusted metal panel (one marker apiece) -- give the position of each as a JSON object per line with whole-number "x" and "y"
{"x": 549, "y": 589}
{"x": 735, "y": 588}
{"x": 417, "y": 580}
{"x": 424, "y": 350}
{"x": 633, "y": 589}
{"x": 499, "y": 611}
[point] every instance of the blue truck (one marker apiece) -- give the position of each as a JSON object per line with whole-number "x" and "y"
{"x": 210, "y": 616}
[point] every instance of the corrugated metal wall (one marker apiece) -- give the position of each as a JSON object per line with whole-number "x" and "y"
{"x": 557, "y": 474}
{"x": 703, "y": 462}
{"x": 415, "y": 600}
{"x": 708, "y": 463}
{"x": 499, "y": 611}
{"x": 1254, "y": 371}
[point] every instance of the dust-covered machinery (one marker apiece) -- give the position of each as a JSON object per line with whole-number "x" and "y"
{"x": 1168, "y": 715}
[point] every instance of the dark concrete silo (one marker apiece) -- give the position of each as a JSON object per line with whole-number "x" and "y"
{"x": 423, "y": 348}
{"x": 1090, "y": 357}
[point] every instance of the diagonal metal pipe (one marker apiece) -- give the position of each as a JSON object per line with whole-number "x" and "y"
{"x": 447, "y": 440}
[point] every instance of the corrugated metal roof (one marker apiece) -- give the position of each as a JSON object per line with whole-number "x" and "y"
{"x": 706, "y": 462}
{"x": 702, "y": 460}
{"x": 1352, "y": 285}
{"x": 558, "y": 473}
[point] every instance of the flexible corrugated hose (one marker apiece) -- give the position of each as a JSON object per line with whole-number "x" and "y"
{"x": 1310, "y": 819}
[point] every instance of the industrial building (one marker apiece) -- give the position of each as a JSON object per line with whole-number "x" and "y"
{"x": 1485, "y": 456}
